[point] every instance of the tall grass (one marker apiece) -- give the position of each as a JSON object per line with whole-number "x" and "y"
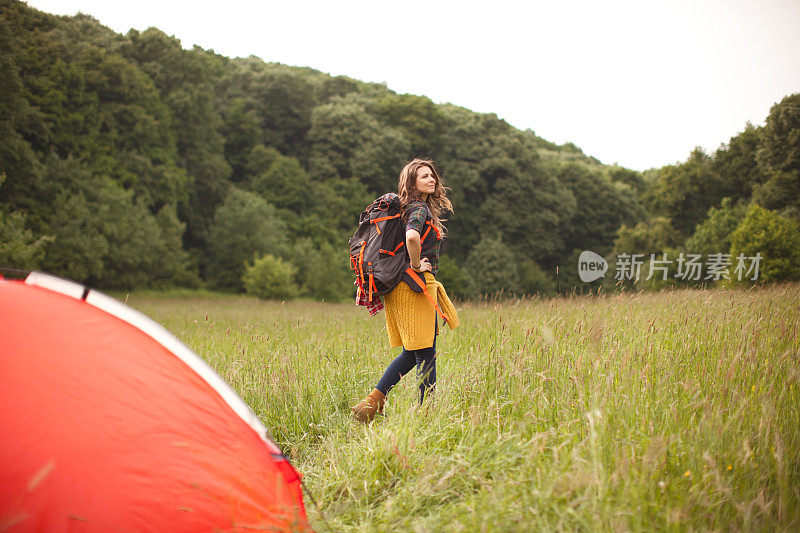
{"x": 675, "y": 410}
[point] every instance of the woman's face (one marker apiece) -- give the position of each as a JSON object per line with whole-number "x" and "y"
{"x": 426, "y": 183}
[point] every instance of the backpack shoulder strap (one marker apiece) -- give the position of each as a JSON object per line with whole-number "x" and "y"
{"x": 424, "y": 287}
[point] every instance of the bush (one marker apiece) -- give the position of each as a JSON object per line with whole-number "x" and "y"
{"x": 534, "y": 280}
{"x": 270, "y": 277}
{"x": 713, "y": 235}
{"x": 777, "y": 239}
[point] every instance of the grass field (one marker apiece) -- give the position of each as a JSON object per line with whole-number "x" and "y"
{"x": 669, "y": 411}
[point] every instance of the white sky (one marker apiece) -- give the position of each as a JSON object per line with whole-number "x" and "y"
{"x": 639, "y": 83}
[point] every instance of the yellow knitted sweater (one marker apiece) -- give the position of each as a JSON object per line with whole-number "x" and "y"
{"x": 410, "y": 315}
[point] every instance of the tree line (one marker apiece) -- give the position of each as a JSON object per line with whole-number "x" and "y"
{"x": 127, "y": 161}
{"x": 742, "y": 200}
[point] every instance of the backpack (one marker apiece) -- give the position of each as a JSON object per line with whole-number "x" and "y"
{"x": 378, "y": 254}
{"x": 377, "y": 249}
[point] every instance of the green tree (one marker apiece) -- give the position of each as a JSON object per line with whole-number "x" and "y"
{"x": 777, "y": 239}
{"x": 713, "y": 235}
{"x": 138, "y": 253}
{"x": 242, "y": 133}
{"x": 18, "y": 159}
{"x": 628, "y": 177}
{"x": 780, "y": 191}
{"x": 322, "y": 271}
{"x": 244, "y": 226}
{"x": 648, "y": 237}
{"x": 19, "y": 247}
{"x": 531, "y": 210}
{"x": 275, "y": 102}
{"x": 333, "y": 213}
{"x": 499, "y": 183}
{"x": 533, "y": 280}
{"x": 737, "y": 166}
{"x": 134, "y": 142}
{"x": 348, "y": 142}
{"x": 284, "y": 184}
{"x": 779, "y": 156}
{"x": 685, "y": 192}
{"x": 79, "y": 223}
{"x": 258, "y": 161}
{"x": 417, "y": 117}
{"x": 779, "y": 148}
{"x": 453, "y": 277}
{"x": 187, "y": 82}
{"x": 174, "y": 264}
{"x": 492, "y": 268}
{"x": 107, "y": 237}
{"x": 651, "y": 239}
{"x": 84, "y": 100}
{"x": 604, "y": 206}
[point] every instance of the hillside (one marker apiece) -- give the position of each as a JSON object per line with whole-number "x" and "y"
{"x": 129, "y": 161}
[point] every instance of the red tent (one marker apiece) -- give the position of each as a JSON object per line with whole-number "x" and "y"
{"x": 108, "y": 422}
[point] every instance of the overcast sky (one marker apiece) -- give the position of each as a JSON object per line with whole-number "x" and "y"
{"x": 637, "y": 83}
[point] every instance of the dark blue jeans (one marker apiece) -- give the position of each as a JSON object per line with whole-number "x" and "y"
{"x": 424, "y": 360}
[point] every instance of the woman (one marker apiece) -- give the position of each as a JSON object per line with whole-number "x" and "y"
{"x": 411, "y": 316}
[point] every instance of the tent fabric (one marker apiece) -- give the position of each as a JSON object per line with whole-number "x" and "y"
{"x": 107, "y": 422}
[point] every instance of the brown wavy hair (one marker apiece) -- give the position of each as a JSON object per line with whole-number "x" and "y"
{"x": 438, "y": 203}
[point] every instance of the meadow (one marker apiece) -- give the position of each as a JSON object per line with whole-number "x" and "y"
{"x": 677, "y": 410}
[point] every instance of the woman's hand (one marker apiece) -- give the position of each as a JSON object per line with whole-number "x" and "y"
{"x": 424, "y": 266}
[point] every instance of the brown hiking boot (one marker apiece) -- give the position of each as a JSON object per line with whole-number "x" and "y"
{"x": 365, "y": 411}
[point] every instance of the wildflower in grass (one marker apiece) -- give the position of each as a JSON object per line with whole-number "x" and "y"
{"x": 688, "y": 473}
{"x": 730, "y": 467}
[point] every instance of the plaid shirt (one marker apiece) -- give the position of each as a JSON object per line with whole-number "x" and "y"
{"x": 418, "y": 218}
{"x": 374, "y": 307}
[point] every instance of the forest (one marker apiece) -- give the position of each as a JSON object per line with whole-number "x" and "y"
{"x": 127, "y": 161}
